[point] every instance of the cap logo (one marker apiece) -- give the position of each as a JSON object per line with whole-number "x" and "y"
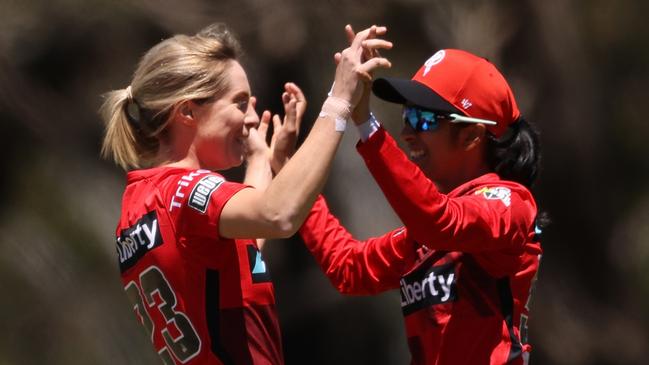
{"x": 466, "y": 103}
{"x": 433, "y": 60}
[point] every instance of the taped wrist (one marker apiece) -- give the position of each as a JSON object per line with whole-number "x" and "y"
{"x": 338, "y": 109}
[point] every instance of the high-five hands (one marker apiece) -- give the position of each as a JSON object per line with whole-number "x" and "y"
{"x": 356, "y": 63}
{"x": 370, "y": 50}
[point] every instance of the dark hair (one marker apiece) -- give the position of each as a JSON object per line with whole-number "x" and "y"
{"x": 517, "y": 155}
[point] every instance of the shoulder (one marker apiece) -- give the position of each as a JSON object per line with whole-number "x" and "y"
{"x": 509, "y": 196}
{"x": 503, "y": 190}
{"x": 196, "y": 188}
{"x": 195, "y": 198}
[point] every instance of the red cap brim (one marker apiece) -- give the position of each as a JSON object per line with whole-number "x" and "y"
{"x": 404, "y": 91}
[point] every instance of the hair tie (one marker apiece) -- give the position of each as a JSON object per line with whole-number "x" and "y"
{"x": 129, "y": 93}
{"x": 132, "y": 108}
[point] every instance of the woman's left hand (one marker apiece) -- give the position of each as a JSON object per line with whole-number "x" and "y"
{"x": 285, "y": 133}
{"x": 258, "y": 172}
{"x": 256, "y": 143}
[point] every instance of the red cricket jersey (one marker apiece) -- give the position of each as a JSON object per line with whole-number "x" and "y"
{"x": 464, "y": 262}
{"x": 202, "y": 298}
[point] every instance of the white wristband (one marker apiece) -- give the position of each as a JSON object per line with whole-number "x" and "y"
{"x": 339, "y": 109}
{"x": 368, "y": 128}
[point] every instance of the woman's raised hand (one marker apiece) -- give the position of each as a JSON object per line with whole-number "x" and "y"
{"x": 357, "y": 62}
{"x": 285, "y": 133}
{"x": 256, "y": 143}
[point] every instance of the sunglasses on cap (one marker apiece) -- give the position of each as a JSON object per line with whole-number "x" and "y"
{"x": 422, "y": 120}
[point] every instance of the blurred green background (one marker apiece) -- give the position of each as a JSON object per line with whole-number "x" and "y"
{"x": 578, "y": 68}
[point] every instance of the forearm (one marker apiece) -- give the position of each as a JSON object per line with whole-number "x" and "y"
{"x": 291, "y": 194}
{"x": 258, "y": 172}
{"x": 279, "y": 211}
{"x": 411, "y": 194}
{"x": 353, "y": 266}
{"x": 259, "y": 175}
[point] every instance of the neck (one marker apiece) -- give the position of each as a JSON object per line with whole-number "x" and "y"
{"x": 177, "y": 149}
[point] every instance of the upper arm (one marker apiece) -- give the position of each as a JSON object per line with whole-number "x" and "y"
{"x": 490, "y": 218}
{"x": 244, "y": 215}
{"x": 203, "y": 203}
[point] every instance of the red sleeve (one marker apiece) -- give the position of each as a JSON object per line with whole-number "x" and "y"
{"x": 196, "y": 202}
{"x": 470, "y": 223}
{"x": 353, "y": 266}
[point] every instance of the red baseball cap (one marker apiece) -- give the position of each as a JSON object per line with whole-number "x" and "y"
{"x": 459, "y": 82}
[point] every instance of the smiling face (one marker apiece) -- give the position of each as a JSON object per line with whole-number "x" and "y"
{"x": 436, "y": 152}
{"x": 223, "y": 125}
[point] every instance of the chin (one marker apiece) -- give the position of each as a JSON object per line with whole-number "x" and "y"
{"x": 421, "y": 163}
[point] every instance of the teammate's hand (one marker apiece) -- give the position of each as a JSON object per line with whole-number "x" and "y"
{"x": 361, "y": 113}
{"x": 256, "y": 142}
{"x": 285, "y": 133}
{"x": 356, "y": 63}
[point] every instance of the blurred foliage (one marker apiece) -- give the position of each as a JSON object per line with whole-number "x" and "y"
{"x": 578, "y": 68}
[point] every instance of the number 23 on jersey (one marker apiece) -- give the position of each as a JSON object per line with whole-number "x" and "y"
{"x": 182, "y": 343}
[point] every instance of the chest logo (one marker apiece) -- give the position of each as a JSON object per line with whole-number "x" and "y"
{"x": 428, "y": 286}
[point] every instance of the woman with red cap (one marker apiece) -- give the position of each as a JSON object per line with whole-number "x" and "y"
{"x": 469, "y": 251}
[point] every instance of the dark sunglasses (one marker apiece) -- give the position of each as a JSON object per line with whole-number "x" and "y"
{"x": 422, "y": 120}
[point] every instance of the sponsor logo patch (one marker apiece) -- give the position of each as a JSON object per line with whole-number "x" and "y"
{"x": 138, "y": 239}
{"x": 428, "y": 286}
{"x": 258, "y": 269}
{"x": 199, "y": 198}
{"x": 497, "y": 193}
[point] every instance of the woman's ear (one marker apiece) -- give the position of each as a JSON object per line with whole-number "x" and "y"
{"x": 472, "y": 136}
{"x": 184, "y": 113}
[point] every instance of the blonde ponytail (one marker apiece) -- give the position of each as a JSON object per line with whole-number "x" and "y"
{"x": 175, "y": 70}
{"x": 119, "y": 140}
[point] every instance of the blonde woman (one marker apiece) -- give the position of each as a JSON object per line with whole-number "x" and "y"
{"x": 185, "y": 239}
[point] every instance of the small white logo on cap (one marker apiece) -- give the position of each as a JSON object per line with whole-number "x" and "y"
{"x": 466, "y": 103}
{"x": 433, "y": 60}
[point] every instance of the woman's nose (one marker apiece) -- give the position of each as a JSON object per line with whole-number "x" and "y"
{"x": 251, "y": 119}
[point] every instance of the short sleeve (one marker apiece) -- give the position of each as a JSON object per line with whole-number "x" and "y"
{"x": 196, "y": 201}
